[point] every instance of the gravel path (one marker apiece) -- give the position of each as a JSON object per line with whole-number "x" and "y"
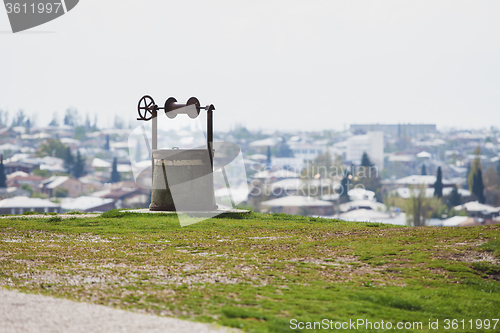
{"x": 28, "y": 313}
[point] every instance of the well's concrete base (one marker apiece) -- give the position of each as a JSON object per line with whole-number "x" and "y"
{"x": 209, "y": 213}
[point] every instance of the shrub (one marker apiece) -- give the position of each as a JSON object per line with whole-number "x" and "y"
{"x": 61, "y": 192}
{"x": 32, "y": 213}
{"x": 113, "y": 213}
{"x": 492, "y": 246}
{"x": 486, "y": 267}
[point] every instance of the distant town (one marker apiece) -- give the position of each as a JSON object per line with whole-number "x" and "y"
{"x": 411, "y": 174}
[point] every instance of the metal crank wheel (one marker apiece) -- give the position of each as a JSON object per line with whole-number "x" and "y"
{"x": 146, "y": 107}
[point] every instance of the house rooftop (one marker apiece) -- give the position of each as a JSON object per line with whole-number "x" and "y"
{"x": 57, "y": 181}
{"x": 25, "y": 202}
{"x": 475, "y": 206}
{"x": 83, "y": 203}
{"x": 363, "y": 215}
{"x": 362, "y": 204}
{"x": 420, "y": 180}
{"x": 296, "y": 201}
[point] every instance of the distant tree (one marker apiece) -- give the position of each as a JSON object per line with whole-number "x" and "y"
{"x": 365, "y": 160}
{"x": 284, "y": 150}
{"x": 367, "y": 174}
{"x": 424, "y": 170}
{"x": 467, "y": 185}
{"x": 491, "y": 178}
{"x": 241, "y": 132}
{"x": 345, "y": 185}
{"x": 27, "y": 125}
{"x": 4, "y": 118}
{"x": 80, "y": 133}
{"x": 417, "y": 207}
{"x": 268, "y": 160}
{"x": 69, "y": 161}
{"x": 106, "y": 145}
{"x": 119, "y": 123}
{"x": 492, "y": 195}
{"x": 2, "y": 173}
{"x": 71, "y": 117}
{"x": 52, "y": 147}
{"x": 94, "y": 125}
{"x": 498, "y": 171}
{"x": 54, "y": 121}
{"x": 115, "y": 175}
{"x": 454, "y": 198}
{"x": 475, "y": 177}
{"x": 19, "y": 118}
{"x": 33, "y": 120}
{"x": 321, "y": 165}
{"x": 79, "y": 169}
{"x": 41, "y": 173}
{"x": 88, "y": 127}
{"x": 478, "y": 186}
{"x": 27, "y": 188}
{"x": 61, "y": 192}
{"x": 68, "y": 118}
{"x": 438, "y": 185}
{"x": 476, "y": 164}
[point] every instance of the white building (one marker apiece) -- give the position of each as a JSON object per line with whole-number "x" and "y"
{"x": 306, "y": 151}
{"x": 88, "y": 204}
{"x": 20, "y": 205}
{"x": 371, "y": 143}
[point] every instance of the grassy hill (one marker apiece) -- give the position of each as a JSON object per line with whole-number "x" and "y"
{"x": 257, "y": 272}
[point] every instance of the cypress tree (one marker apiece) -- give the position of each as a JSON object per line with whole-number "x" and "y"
{"x": 2, "y": 173}
{"x": 478, "y": 186}
{"x": 115, "y": 176}
{"x": 344, "y": 186}
{"x": 473, "y": 185}
{"x": 498, "y": 171}
{"x": 475, "y": 177}
{"x": 424, "y": 170}
{"x": 79, "y": 168}
{"x": 268, "y": 161}
{"x": 476, "y": 164}
{"x": 467, "y": 186}
{"x": 438, "y": 185}
{"x": 106, "y": 145}
{"x": 69, "y": 161}
{"x": 27, "y": 125}
{"x": 454, "y": 198}
{"x": 365, "y": 160}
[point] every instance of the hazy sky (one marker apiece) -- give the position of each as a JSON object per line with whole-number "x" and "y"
{"x": 265, "y": 64}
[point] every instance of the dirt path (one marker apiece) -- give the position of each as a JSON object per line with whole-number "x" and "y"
{"x": 28, "y": 313}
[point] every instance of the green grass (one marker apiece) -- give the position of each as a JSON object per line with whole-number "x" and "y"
{"x": 257, "y": 271}
{"x": 492, "y": 246}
